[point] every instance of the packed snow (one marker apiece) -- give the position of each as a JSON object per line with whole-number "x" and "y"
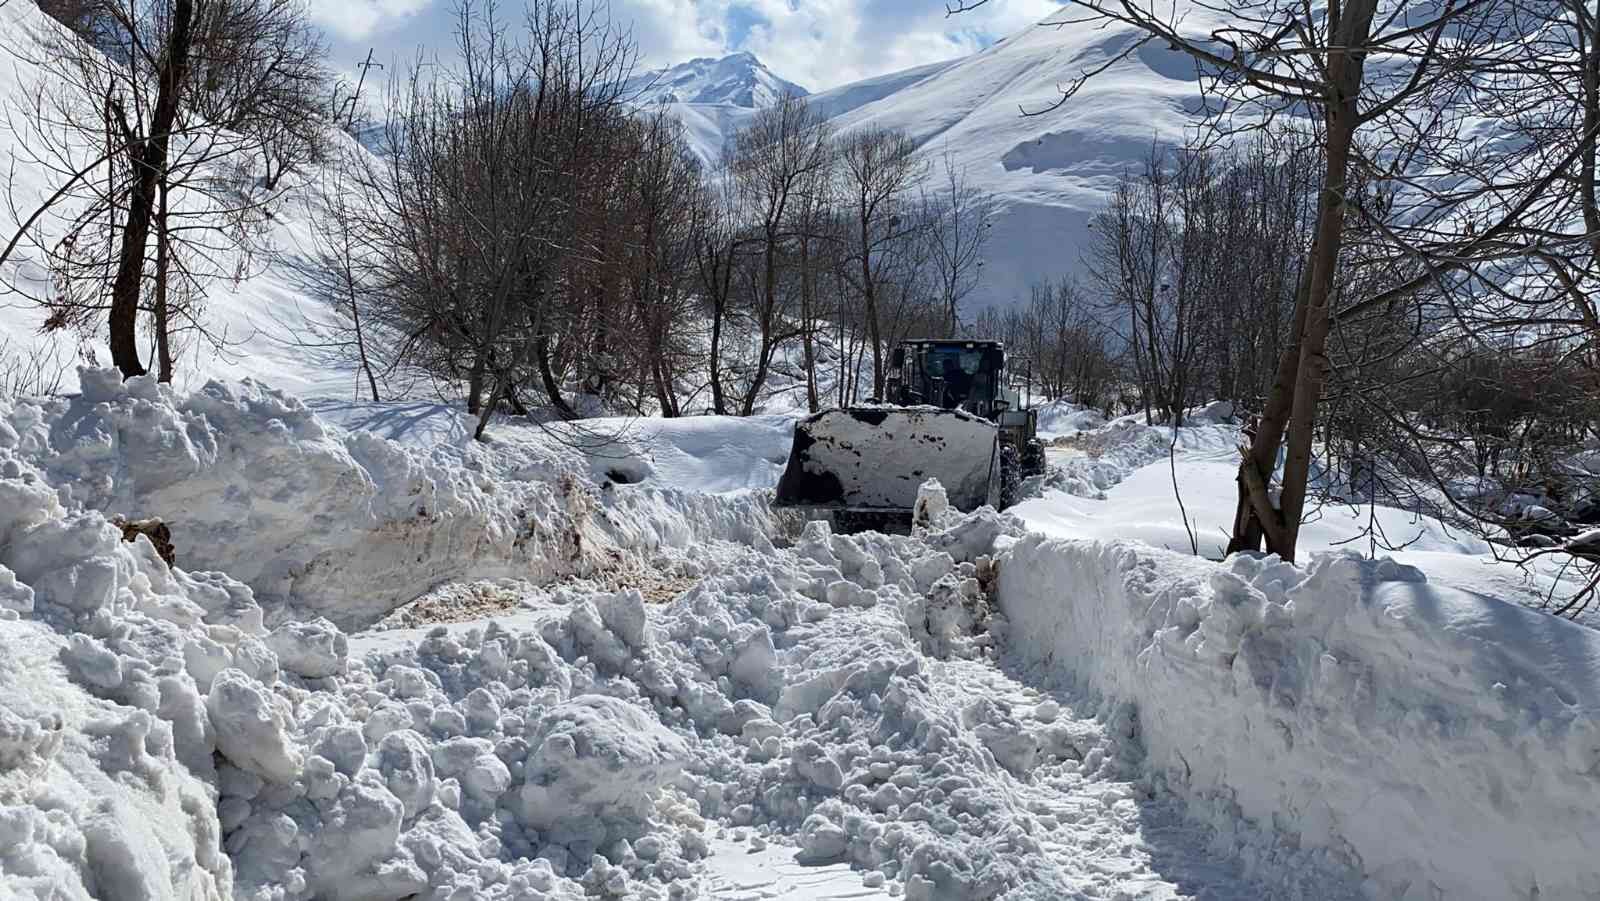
{"x": 1443, "y": 742}
{"x": 555, "y": 684}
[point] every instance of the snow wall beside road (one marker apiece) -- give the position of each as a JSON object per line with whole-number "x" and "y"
{"x": 342, "y": 524}
{"x": 1446, "y": 744}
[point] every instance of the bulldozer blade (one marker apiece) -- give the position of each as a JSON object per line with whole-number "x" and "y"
{"x": 875, "y": 459}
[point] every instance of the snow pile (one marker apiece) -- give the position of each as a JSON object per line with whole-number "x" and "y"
{"x": 166, "y": 733}
{"x": 342, "y": 524}
{"x": 1091, "y": 462}
{"x": 106, "y": 746}
{"x": 1063, "y": 417}
{"x": 158, "y": 737}
{"x": 1444, "y": 743}
{"x": 700, "y": 453}
{"x": 158, "y": 741}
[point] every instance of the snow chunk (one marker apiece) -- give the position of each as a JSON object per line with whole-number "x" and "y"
{"x": 932, "y": 507}
{"x": 596, "y": 756}
{"x": 403, "y": 760}
{"x": 251, "y": 729}
{"x": 314, "y": 649}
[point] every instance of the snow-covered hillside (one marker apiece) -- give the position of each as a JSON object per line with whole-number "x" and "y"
{"x": 1049, "y": 172}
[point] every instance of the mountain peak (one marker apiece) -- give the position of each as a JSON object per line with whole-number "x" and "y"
{"x": 738, "y": 79}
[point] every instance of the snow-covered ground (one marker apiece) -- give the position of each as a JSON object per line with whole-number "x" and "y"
{"x": 392, "y": 662}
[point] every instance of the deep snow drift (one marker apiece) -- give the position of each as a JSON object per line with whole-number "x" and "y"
{"x": 160, "y": 737}
{"x": 443, "y": 669}
{"x": 343, "y": 524}
{"x": 1447, "y": 745}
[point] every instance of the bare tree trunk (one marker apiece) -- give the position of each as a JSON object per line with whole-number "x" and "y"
{"x": 719, "y": 403}
{"x": 870, "y": 297}
{"x": 163, "y": 322}
{"x": 150, "y": 161}
{"x": 669, "y": 404}
{"x": 547, "y": 377}
{"x": 1591, "y": 123}
{"x": 355, "y": 318}
{"x": 1343, "y": 117}
{"x": 808, "y": 349}
{"x": 486, "y": 413}
{"x": 1255, "y": 470}
{"x": 475, "y": 382}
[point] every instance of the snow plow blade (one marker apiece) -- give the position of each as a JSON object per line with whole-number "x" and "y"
{"x": 873, "y": 459}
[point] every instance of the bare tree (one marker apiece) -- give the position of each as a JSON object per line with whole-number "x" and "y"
{"x": 880, "y": 169}
{"x": 958, "y": 220}
{"x": 716, "y": 244}
{"x": 148, "y": 130}
{"x": 339, "y": 270}
{"x": 772, "y": 160}
{"x": 501, "y": 211}
{"x": 661, "y": 183}
{"x": 1351, "y": 70}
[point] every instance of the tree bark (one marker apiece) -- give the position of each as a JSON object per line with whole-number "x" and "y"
{"x": 1345, "y": 67}
{"x": 719, "y": 403}
{"x": 1262, "y": 456}
{"x": 547, "y": 376}
{"x": 475, "y": 383}
{"x": 163, "y": 320}
{"x": 150, "y": 162}
{"x": 869, "y": 295}
{"x": 355, "y": 318}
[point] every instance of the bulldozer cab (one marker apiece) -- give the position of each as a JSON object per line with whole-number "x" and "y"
{"x": 954, "y": 375}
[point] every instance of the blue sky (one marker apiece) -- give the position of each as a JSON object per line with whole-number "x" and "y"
{"x": 818, "y": 44}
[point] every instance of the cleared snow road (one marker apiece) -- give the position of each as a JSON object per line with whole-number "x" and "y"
{"x": 889, "y": 751}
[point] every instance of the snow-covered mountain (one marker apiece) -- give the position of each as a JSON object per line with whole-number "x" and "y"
{"x": 738, "y": 79}
{"x": 1048, "y": 172}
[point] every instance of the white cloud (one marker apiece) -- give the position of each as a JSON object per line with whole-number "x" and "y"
{"x": 816, "y": 43}
{"x": 357, "y": 19}
{"x": 824, "y": 43}
{"x": 671, "y": 31}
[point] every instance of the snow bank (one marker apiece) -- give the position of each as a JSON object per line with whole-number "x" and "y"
{"x": 341, "y": 524}
{"x": 158, "y": 741}
{"x": 1090, "y": 463}
{"x": 160, "y": 738}
{"x": 1063, "y": 417}
{"x": 713, "y": 454}
{"x": 1447, "y": 744}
